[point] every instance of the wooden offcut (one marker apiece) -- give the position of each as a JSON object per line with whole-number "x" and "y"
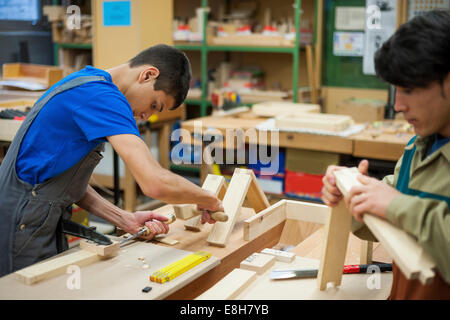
{"x": 320, "y": 121}
{"x": 258, "y": 262}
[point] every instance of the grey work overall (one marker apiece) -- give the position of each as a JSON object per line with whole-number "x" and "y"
{"x": 31, "y": 217}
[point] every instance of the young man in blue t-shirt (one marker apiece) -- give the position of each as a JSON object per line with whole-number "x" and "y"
{"x": 49, "y": 163}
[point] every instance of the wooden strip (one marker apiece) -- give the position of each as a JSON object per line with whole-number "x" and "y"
{"x": 305, "y": 211}
{"x": 230, "y": 286}
{"x": 265, "y": 220}
{"x": 55, "y": 266}
{"x": 255, "y": 195}
{"x": 337, "y": 231}
{"x": 410, "y": 257}
{"x": 232, "y": 204}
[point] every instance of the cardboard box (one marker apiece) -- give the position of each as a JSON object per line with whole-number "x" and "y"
{"x": 303, "y": 186}
{"x": 311, "y": 162}
{"x": 362, "y": 110}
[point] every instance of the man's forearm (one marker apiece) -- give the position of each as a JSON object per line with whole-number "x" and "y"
{"x": 96, "y": 204}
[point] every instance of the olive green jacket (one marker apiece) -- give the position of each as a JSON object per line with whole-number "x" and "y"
{"x": 428, "y": 220}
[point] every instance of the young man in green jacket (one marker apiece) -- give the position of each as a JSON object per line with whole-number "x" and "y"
{"x": 416, "y": 198}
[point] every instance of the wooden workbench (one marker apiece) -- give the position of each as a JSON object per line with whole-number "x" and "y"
{"x": 366, "y": 144}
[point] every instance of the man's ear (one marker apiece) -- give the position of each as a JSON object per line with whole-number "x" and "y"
{"x": 149, "y": 73}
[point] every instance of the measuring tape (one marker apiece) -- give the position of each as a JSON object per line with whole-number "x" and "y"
{"x": 179, "y": 267}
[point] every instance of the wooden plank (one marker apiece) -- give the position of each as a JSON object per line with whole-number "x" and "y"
{"x": 255, "y": 195}
{"x": 274, "y": 108}
{"x": 320, "y": 121}
{"x": 264, "y": 220}
{"x": 337, "y": 231}
{"x": 54, "y": 267}
{"x": 258, "y": 262}
{"x": 411, "y": 258}
{"x": 230, "y": 286}
{"x": 232, "y": 204}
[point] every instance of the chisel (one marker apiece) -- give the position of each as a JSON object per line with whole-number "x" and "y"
{"x": 144, "y": 231}
{"x": 312, "y": 272}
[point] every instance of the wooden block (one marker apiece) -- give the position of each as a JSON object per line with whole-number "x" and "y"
{"x": 166, "y": 240}
{"x": 276, "y": 108}
{"x": 410, "y": 257}
{"x": 264, "y": 220}
{"x": 232, "y": 204}
{"x": 258, "y": 262}
{"x": 183, "y": 211}
{"x": 282, "y": 256}
{"x": 101, "y": 250}
{"x": 366, "y": 252}
{"x": 230, "y": 286}
{"x": 337, "y": 231}
{"x": 320, "y": 121}
{"x": 306, "y": 211}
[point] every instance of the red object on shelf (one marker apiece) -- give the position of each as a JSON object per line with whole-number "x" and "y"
{"x": 303, "y": 184}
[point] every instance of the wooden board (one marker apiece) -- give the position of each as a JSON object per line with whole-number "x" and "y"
{"x": 320, "y": 121}
{"x": 265, "y": 220}
{"x": 230, "y": 286}
{"x": 90, "y": 252}
{"x": 274, "y": 108}
{"x": 410, "y": 257}
{"x": 121, "y": 277}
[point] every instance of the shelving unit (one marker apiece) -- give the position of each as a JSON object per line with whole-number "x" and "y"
{"x": 204, "y": 48}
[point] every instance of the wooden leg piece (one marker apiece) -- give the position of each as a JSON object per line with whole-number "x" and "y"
{"x": 337, "y": 231}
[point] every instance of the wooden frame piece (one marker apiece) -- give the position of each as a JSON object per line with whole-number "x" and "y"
{"x": 89, "y": 253}
{"x": 319, "y": 121}
{"x": 280, "y": 212}
{"x": 410, "y": 257}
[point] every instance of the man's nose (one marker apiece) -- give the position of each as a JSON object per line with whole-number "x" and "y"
{"x": 400, "y": 105}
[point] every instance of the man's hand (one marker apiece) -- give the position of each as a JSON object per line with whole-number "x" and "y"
{"x": 330, "y": 192}
{"x": 215, "y": 206}
{"x": 372, "y": 197}
{"x": 154, "y": 222}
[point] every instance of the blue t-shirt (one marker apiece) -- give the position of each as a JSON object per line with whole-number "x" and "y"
{"x": 71, "y": 124}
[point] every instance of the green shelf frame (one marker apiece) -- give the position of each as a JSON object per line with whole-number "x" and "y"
{"x": 204, "y": 48}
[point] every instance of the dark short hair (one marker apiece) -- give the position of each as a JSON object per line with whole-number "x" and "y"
{"x": 174, "y": 70}
{"x": 418, "y": 54}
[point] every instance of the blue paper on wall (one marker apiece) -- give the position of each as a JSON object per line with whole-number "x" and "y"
{"x": 116, "y": 13}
